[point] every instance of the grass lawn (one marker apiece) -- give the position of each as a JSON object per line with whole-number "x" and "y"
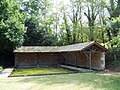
{"x": 24, "y": 71}
{"x": 79, "y": 81}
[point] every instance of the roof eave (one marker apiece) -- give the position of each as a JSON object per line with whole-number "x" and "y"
{"x": 95, "y": 43}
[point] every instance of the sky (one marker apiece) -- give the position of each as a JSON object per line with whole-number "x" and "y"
{"x": 56, "y": 4}
{"x": 64, "y": 1}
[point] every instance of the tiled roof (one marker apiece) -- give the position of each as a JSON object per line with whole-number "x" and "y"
{"x": 67, "y": 48}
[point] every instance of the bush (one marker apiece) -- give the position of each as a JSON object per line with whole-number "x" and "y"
{"x": 115, "y": 63}
{"x": 1, "y": 68}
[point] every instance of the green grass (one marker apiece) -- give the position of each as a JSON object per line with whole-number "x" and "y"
{"x": 24, "y": 71}
{"x": 79, "y": 81}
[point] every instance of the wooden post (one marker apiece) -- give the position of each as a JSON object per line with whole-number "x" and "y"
{"x": 90, "y": 60}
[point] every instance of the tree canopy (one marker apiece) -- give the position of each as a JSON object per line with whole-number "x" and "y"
{"x": 57, "y": 23}
{"x": 12, "y": 27}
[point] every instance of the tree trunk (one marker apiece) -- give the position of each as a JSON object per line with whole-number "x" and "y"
{"x": 109, "y": 35}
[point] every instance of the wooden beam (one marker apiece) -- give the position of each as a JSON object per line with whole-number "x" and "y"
{"x": 92, "y": 51}
{"x": 89, "y": 58}
{"x": 86, "y": 55}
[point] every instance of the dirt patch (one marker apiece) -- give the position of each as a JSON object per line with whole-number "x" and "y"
{"x": 110, "y": 73}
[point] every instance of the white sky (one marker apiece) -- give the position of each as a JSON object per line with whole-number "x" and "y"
{"x": 57, "y": 3}
{"x": 64, "y": 1}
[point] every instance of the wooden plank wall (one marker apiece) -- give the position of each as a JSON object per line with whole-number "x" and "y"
{"x": 81, "y": 60}
{"x": 51, "y": 59}
{"x": 36, "y": 59}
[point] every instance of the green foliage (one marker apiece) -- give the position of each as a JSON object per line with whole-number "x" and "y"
{"x": 93, "y": 9}
{"x": 115, "y": 63}
{"x": 115, "y": 43}
{"x": 35, "y": 34}
{"x": 1, "y": 68}
{"x": 114, "y": 12}
{"x": 115, "y": 26}
{"x": 64, "y": 26}
{"x": 12, "y": 26}
{"x": 38, "y": 23}
{"x": 114, "y": 8}
{"x": 115, "y": 30}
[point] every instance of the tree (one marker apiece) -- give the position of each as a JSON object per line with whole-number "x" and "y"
{"x": 114, "y": 12}
{"x": 114, "y": 8}
{"x": 76, "y": 10}
{"x": 12, "y": 26}
{"x": 102, "y": 23}
{"x": 67, "y": 28}
{"x": 38, "y": 23}
{"x": 115, "y": 26}
{"x": 33, "y": 36}
{"x": 113, "y": 29}
{"x": 36, "y": 35}
{"x": 93, "y": 9}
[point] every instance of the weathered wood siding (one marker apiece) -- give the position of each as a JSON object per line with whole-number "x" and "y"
{"x": 46, "y": 59}
{"x": 80, "y": 59}
{"x": 69, "y": 58}
{"x": 25, "y": 59}
{"x": 36, "y": 59}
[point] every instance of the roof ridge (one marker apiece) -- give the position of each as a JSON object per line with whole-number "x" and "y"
{"x": 62, "y": 45}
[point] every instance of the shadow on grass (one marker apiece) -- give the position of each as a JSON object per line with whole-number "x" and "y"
{"x": 87, "y": 80}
